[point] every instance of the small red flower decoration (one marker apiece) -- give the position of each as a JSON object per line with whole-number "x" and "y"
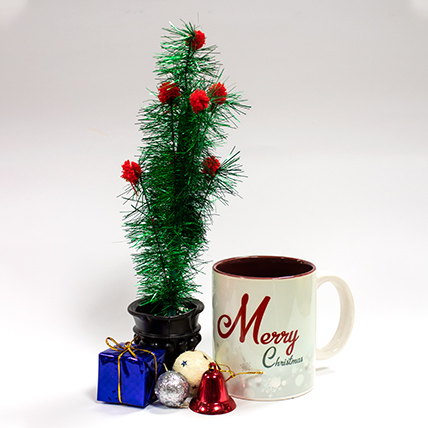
{"x": 217, "y": 93}
{"x": 210, "y": 166}
{"x": 198, "y": 40}
{"x": 168, "y": 92}
{"x": 131, "y": 172}
{"x": 199, "y": 100}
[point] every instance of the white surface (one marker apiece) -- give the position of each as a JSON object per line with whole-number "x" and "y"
{"x": 335, "y": 148}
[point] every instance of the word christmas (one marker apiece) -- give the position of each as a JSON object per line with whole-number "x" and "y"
{"x": 269, "y": 359}
{"x": 274, "y": 337}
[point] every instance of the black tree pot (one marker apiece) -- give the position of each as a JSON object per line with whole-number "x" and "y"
{"x": 176, "y": 334}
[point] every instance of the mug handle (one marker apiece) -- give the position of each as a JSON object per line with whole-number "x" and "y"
{"x": 346, "y": 321}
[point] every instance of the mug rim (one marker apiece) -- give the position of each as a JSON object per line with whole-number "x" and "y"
{"x": 262, "y": 278}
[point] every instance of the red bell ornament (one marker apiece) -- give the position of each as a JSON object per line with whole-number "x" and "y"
{"x": 212, "y": 397}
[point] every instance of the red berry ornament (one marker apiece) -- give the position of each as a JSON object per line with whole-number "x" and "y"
{"x": 168, "y": 92}
{"x": 131, "y": 172}
{"x": 199, "y": 100}
{"x": 210, "y": 166}
{"x": 217, "y": 93}
{"x": 198, "y": 40}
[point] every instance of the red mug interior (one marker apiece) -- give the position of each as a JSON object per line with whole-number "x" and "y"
{"x": 264, "y": 267}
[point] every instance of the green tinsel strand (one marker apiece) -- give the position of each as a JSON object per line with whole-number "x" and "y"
{"x": 173, "y": 199}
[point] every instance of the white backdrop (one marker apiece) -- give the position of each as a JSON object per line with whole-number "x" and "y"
{"x": 336, "y": 152}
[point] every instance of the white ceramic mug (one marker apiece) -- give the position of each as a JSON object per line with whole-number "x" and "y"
{"x": 264, "y": 314}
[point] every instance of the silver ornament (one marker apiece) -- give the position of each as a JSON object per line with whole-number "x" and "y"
{"x": 172, "y": 388}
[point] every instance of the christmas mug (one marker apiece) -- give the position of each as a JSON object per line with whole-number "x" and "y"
{"x": 264, "y": 319}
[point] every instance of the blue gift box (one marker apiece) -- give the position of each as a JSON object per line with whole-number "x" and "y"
{"x": 127, "y": 374}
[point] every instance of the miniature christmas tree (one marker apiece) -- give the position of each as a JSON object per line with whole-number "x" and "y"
{"x": 177, "y": 179}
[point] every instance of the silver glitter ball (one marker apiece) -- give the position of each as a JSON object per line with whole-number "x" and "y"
{"x": 172, "y": 388}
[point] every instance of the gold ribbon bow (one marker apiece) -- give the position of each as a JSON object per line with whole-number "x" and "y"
{"x": 123, "y": 349}
{"x": 231, "y": 373}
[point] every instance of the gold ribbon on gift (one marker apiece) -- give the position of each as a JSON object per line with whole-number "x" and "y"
{"x": 231, "y": 373}
{"x": 123, "y": 349}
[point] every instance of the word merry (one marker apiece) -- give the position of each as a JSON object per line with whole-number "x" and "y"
{"x": 256, "y": 319}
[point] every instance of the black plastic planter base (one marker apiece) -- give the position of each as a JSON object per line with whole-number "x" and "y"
{"x": 176, "y": 334}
